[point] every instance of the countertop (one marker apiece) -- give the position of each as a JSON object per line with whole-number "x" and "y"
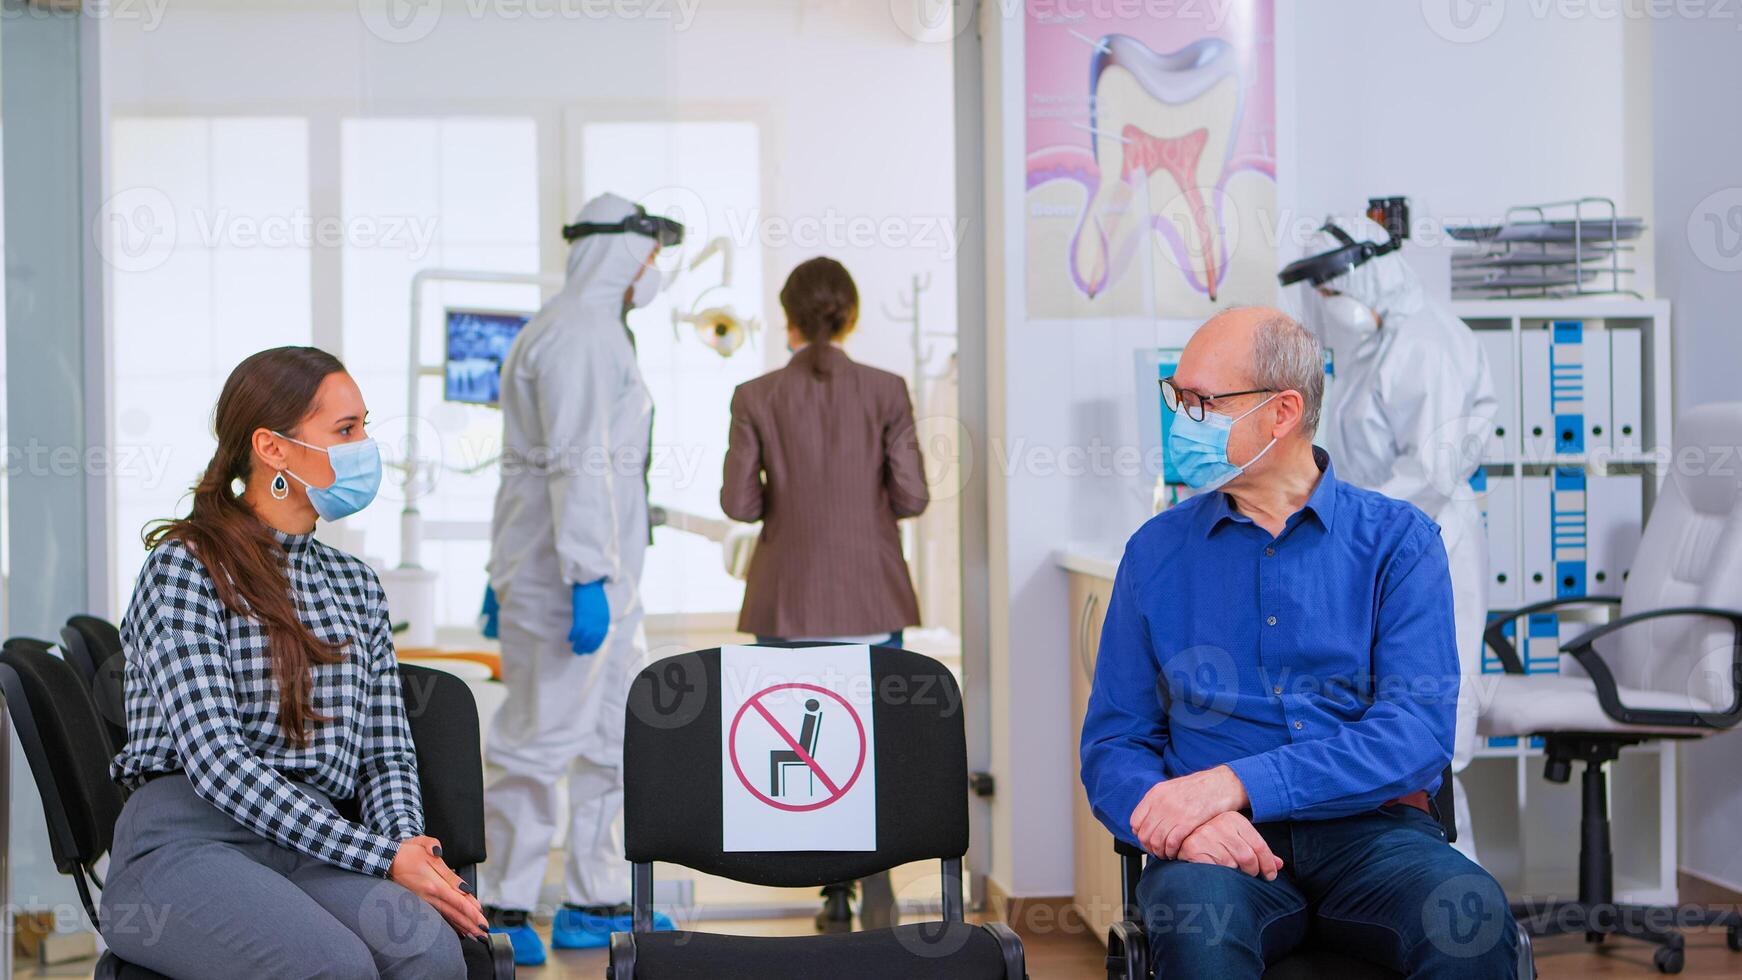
{"x": 1088, "y": 560}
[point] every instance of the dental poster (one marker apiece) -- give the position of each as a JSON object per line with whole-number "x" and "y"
{"x": 798, "y": 760}
{"x": 1151, "y": 158}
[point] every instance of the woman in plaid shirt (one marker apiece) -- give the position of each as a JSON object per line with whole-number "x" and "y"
{"x": 261, "y": 685}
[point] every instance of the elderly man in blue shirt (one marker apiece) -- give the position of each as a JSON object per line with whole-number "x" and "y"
{"x": 1276, "y": 692}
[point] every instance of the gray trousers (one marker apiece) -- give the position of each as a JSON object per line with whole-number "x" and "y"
{"x": 194, "y": 894}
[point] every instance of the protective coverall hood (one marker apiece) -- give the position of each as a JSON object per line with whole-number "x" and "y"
{"x": 602, "y": 267}
{"x": 1384, "y": 284}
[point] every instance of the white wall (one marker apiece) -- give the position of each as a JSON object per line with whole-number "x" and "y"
{"x": 1371, "y": 101}
{"x": 1697, "y": 140}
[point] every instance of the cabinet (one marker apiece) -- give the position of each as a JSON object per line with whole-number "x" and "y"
{"x": 1097, "y": 890}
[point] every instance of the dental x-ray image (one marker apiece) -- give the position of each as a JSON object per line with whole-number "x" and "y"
{"x": 478, "y": 342}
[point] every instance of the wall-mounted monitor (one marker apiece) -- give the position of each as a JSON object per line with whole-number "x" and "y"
{"x": 478, "y": 342}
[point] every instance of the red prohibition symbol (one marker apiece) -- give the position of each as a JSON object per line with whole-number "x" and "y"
{"x": 836, "y": 790}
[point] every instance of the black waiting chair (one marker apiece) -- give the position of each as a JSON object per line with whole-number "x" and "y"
{"x": 672, "y": 812}
{"x": 55, "y": 718}
{"x": 1128, "y": 944}
{"x": 93, "y": 647}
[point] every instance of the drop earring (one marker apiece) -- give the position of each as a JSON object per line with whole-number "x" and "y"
{"x": 280, "y": 486}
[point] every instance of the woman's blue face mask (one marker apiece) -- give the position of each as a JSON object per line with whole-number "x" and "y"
{"x": 1199, "y": 450}
{"x": 356, "y": 478}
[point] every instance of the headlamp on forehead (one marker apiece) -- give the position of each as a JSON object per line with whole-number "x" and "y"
{"x": 665, "y": 231}
{"x": 1325, "y": 266}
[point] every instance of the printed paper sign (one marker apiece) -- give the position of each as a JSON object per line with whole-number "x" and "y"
{"x": 798, "y": 767}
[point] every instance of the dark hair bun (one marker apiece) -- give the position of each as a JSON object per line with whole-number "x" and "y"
{"x": 820, "y": 299}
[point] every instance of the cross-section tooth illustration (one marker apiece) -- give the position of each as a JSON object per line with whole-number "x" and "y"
{"x": 1162, "y": 127}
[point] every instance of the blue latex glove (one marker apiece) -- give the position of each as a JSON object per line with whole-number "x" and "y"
{"x": 489, "y": 618}
{"x": 592, "y": 617}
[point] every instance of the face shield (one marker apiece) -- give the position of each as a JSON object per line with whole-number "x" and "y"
{"x": 665, "y": 231}
{"x": 1316, "y": 270}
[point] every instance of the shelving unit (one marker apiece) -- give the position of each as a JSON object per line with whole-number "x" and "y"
{"x": 1526, "y": 828}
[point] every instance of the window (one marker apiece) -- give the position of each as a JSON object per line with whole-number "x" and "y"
{"x": 209, "y": 250}
{"x": 450, "y": 193}
{"x": 708, "y": 176}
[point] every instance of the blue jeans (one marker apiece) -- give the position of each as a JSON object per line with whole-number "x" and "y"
{"x": 1384, "y": 886}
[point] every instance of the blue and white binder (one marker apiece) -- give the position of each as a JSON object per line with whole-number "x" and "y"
{"x": 1566, "y": 385}
{"x": 1569, "y": 531}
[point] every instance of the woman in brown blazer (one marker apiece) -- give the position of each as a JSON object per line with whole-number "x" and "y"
{"x": 823, "y": 453}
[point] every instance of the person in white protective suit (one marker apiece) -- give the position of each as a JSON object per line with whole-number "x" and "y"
{"x": 567, "y": 540}
{"x": 1411, "y": 404}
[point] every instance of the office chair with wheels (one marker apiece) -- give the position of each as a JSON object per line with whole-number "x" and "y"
{"x": 55, "y": 720}
{"x": 672, "y": 812}
{"x": 1669, "y": 667}
{"x": 1128, "y": 943}
{"x": 93, "y": 646}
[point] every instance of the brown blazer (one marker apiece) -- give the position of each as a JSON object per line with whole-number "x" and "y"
{"x": 823, "y": 453}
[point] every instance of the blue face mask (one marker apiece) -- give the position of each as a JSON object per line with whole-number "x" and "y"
{"x": 1199, "y": 450}
{"x": 356, "y": 478}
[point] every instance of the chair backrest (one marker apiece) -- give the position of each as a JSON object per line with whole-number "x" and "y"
{"x": 671, "y": 772}
{"x": 58, "y": 730}
{"x": 1690, "y": 555}
{"x": 88, "y": 642}
{"x": 450, "y": 770}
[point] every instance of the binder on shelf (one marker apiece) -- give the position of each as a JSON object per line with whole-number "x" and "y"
{"x": 1566, "y": 385}
{"x": 1495, "y": 495}
{"x": 1497, "y": 349}
{"x": 1568, "y": 531}
{"x": 1627, "y": 381}
{"x": 1537, "y": 441}
{"x": 1616, "y": 516}
{"x": 1542, "y": 644}
{"x": 1536, "y": 578}
{"x": 1598, "y": 434}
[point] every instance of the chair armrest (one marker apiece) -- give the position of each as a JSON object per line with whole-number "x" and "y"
{"x": 1015, "y": 961}
{"x": 1496, "y": 640}
{"x": 1131, "y": 859}
{"x": 1581, "y": 649}
{"x": 1127, "y": 951}
{"x": 501, "y": 957}
{"x": 622, "y": 964}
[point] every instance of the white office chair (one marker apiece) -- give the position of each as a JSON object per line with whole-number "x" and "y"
{"x": 1669, "y": 667}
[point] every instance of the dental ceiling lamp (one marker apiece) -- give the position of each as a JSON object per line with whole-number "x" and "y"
{"x": 719, "y": 327}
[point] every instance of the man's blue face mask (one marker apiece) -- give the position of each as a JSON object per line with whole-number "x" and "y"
{"x": 1199, "y": 450}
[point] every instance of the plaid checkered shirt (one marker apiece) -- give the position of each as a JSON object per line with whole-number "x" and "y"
{"x": 201, "y": 697}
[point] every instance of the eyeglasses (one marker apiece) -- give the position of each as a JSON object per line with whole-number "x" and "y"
{"x": 1194, "y": 402}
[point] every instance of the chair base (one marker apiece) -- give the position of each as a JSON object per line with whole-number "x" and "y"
{"x": 1660, "y": 925}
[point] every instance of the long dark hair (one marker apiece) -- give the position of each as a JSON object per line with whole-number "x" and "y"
{"x": 274, "y": 389}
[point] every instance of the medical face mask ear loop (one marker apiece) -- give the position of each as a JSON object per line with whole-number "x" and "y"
{"x": 280, "y": 486}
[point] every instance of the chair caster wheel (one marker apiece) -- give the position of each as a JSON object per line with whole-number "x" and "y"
{"x": 1733, "y": 938}
{"x": 1667, "y": 959}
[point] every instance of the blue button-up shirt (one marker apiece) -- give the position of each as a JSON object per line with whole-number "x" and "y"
{"x": 1320, "y": 665}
